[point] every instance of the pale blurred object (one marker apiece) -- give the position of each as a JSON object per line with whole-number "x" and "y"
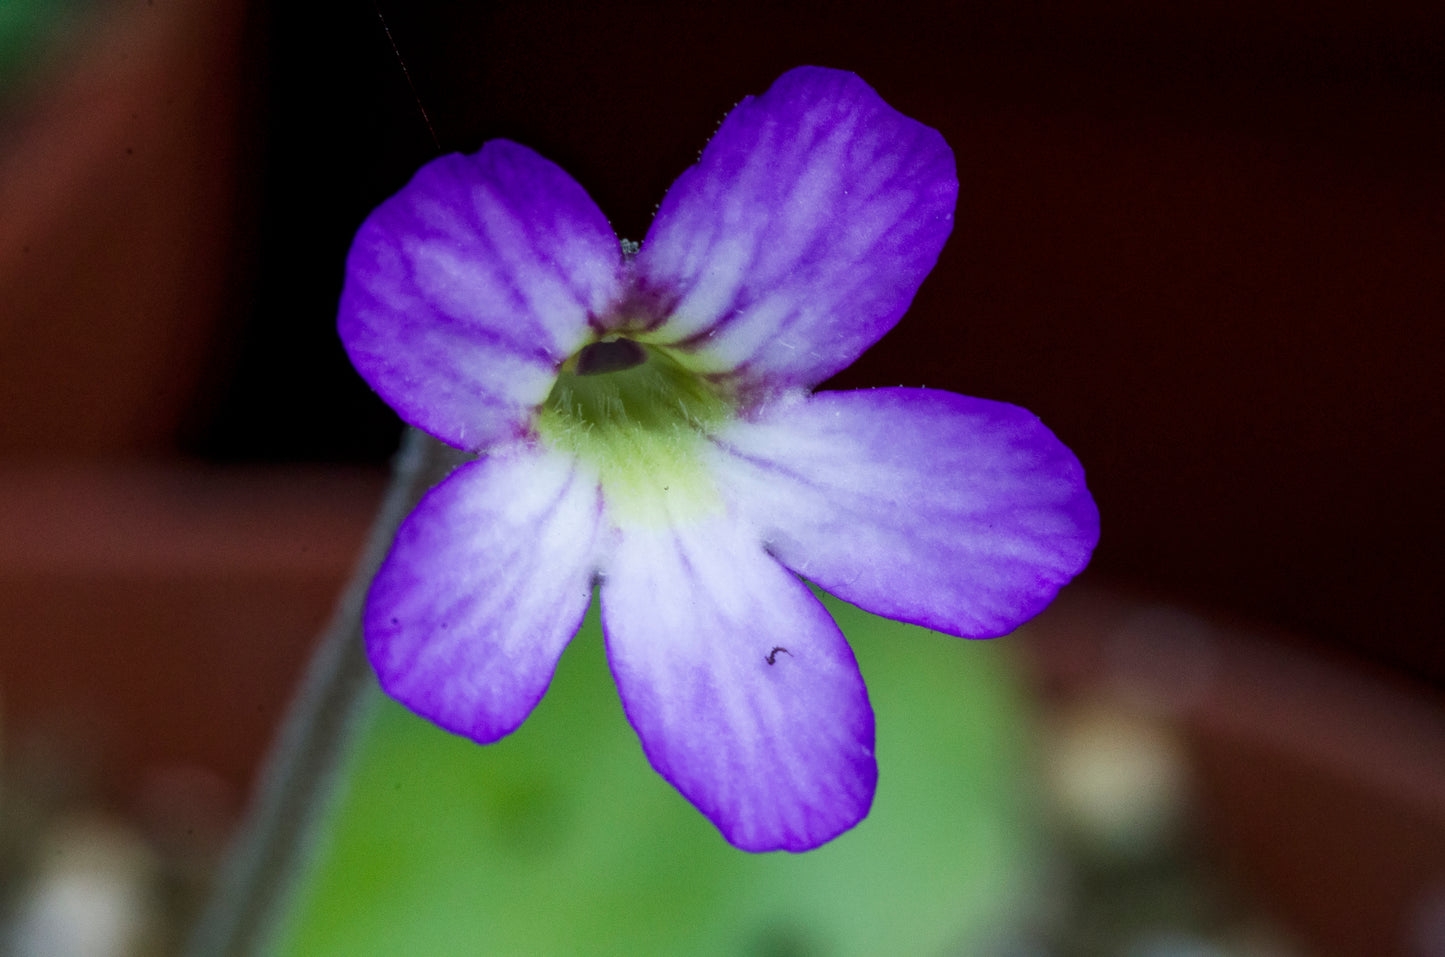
{"x": 91, "y": 896}
{"x": 1315, "y": 785}
{"x": 152, "y": 619}
{"x": 1119, "y": 780}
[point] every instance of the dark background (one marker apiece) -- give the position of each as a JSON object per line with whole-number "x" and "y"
{"x": 1206, "y": 246}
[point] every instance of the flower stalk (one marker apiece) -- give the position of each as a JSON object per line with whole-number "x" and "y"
{"x": 300, "y": 779}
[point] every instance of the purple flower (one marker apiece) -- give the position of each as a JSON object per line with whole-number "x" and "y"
{"x": 644, "y": 425}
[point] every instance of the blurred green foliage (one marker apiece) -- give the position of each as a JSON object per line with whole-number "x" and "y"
{"x": 28, "y": 29}
{"x": 562, "y": 840}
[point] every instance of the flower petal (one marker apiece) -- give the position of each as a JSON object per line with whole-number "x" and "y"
{"x": 743, "y": 691}
{"x": 802, "y": 233}
{"x": 487, "y": 581}
{"x": 465, "y": 291}
{"x": 960, "y": 514}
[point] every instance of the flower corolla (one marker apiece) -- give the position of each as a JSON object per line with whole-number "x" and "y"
{"x": 644, "y": 426}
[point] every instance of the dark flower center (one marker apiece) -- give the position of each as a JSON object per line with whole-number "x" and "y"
{"x": 614, "y": 356}
{"x": 641, "y": 418}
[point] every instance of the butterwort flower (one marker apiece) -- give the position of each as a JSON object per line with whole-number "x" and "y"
{"x": 644, "y": 426}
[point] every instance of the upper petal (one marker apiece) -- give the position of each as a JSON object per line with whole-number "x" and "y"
{"x": 743, "y": 691}
{"x": 803, "y": 232}
{"x": 487, "y": 581}
{"x": 960, "y": 514}
{"x": 468, "y": 288}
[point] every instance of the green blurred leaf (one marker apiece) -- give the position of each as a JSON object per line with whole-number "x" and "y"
{"x": 28, "y": 29}
{"x": 562, "y": 840}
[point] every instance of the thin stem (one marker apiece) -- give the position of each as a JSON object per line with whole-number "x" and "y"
{"x": 401, "y": 61}
{"x": 299, "y": 781}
